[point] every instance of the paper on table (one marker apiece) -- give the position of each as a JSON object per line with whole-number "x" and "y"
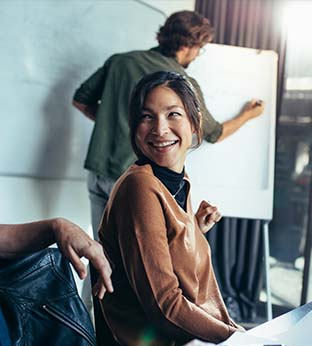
{"x": 297, "y": 334}
{"x": 196, "y": 342}
{"x": 245, "y": 339}
{"x": 300, "y": 334}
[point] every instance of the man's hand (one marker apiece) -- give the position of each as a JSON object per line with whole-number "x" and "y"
{"x": 250, "y": 110}
{"x": 207, "y": 215}
{"x": 253, "y": 108}
{"x": 74, "y": 243}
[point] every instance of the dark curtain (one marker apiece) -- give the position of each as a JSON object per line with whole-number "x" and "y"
{"x": 237, "y": 244}
{"x": 237, "y": 253}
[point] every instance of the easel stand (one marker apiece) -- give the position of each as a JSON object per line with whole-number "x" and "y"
{"x": 267, "y": 269}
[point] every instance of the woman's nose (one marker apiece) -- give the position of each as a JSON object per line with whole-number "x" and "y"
{"x": 160, "y": 127}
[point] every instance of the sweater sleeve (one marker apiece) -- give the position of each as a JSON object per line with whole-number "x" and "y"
{"x": 143, "y": 241}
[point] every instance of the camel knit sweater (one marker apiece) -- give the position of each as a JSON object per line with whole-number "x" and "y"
{"x": 165, "y": 291}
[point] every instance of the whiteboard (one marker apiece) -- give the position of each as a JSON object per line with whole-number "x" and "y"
{"x": 48, "y": 48}
{"x": 236, "y": 174}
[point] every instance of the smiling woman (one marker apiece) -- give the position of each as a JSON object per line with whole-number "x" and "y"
{"x": 180, "y": 99}
{"x": 164, "y": 133}
{"x": 165, "y": 291}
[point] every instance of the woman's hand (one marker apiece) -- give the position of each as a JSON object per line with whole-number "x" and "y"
{"x": 207, "y": 215}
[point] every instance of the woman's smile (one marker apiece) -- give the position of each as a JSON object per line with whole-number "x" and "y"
{"x": 163, "y": 146}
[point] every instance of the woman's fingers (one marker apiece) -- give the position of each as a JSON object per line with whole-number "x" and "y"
{"x": 207, "y": 215}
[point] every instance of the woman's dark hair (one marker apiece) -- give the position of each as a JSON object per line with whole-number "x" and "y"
{"x": 184, "y": 29}
{"x": 176, "y": 82}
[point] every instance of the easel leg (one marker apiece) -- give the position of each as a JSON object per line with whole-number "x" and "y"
{"x": 267, "y": 269}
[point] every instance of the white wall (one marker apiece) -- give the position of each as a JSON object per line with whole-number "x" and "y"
{"x": 37, "y": 133}
{"x": 42, "y": 136}
{"x": 25, "y": 198}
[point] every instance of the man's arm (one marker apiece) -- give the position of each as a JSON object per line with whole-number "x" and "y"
{"x": 250, "y": 111}
{"x": 87, "y": 110}
{"x": 74, "y": 243}
{"x": 88, "y": 96}
{"x": 213, "y": 131}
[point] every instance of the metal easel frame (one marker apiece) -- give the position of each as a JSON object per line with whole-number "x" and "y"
{"x": 267, "y": 269}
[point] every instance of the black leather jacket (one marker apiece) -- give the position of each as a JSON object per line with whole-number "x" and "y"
{"x": 39, "y": 300}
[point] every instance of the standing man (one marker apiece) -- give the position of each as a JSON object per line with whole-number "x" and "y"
{"x": 104, "y": 98}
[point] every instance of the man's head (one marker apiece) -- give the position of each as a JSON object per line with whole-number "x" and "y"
{"x": 183, "y": 34}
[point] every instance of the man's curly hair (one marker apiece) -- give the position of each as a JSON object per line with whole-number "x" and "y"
{"x": 184, "y": 29}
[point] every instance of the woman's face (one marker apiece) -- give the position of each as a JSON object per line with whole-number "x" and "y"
{"x": 164, "y": 133}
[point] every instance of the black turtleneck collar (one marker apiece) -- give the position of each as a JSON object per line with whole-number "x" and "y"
{"x": 173, "y": 181}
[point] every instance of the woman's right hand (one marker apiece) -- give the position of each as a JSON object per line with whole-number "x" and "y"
{"x": 207, "y": 215}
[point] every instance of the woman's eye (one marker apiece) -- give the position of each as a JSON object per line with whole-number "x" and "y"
{"x": 174, "y": 114}
{"x": 146, "y": 116}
